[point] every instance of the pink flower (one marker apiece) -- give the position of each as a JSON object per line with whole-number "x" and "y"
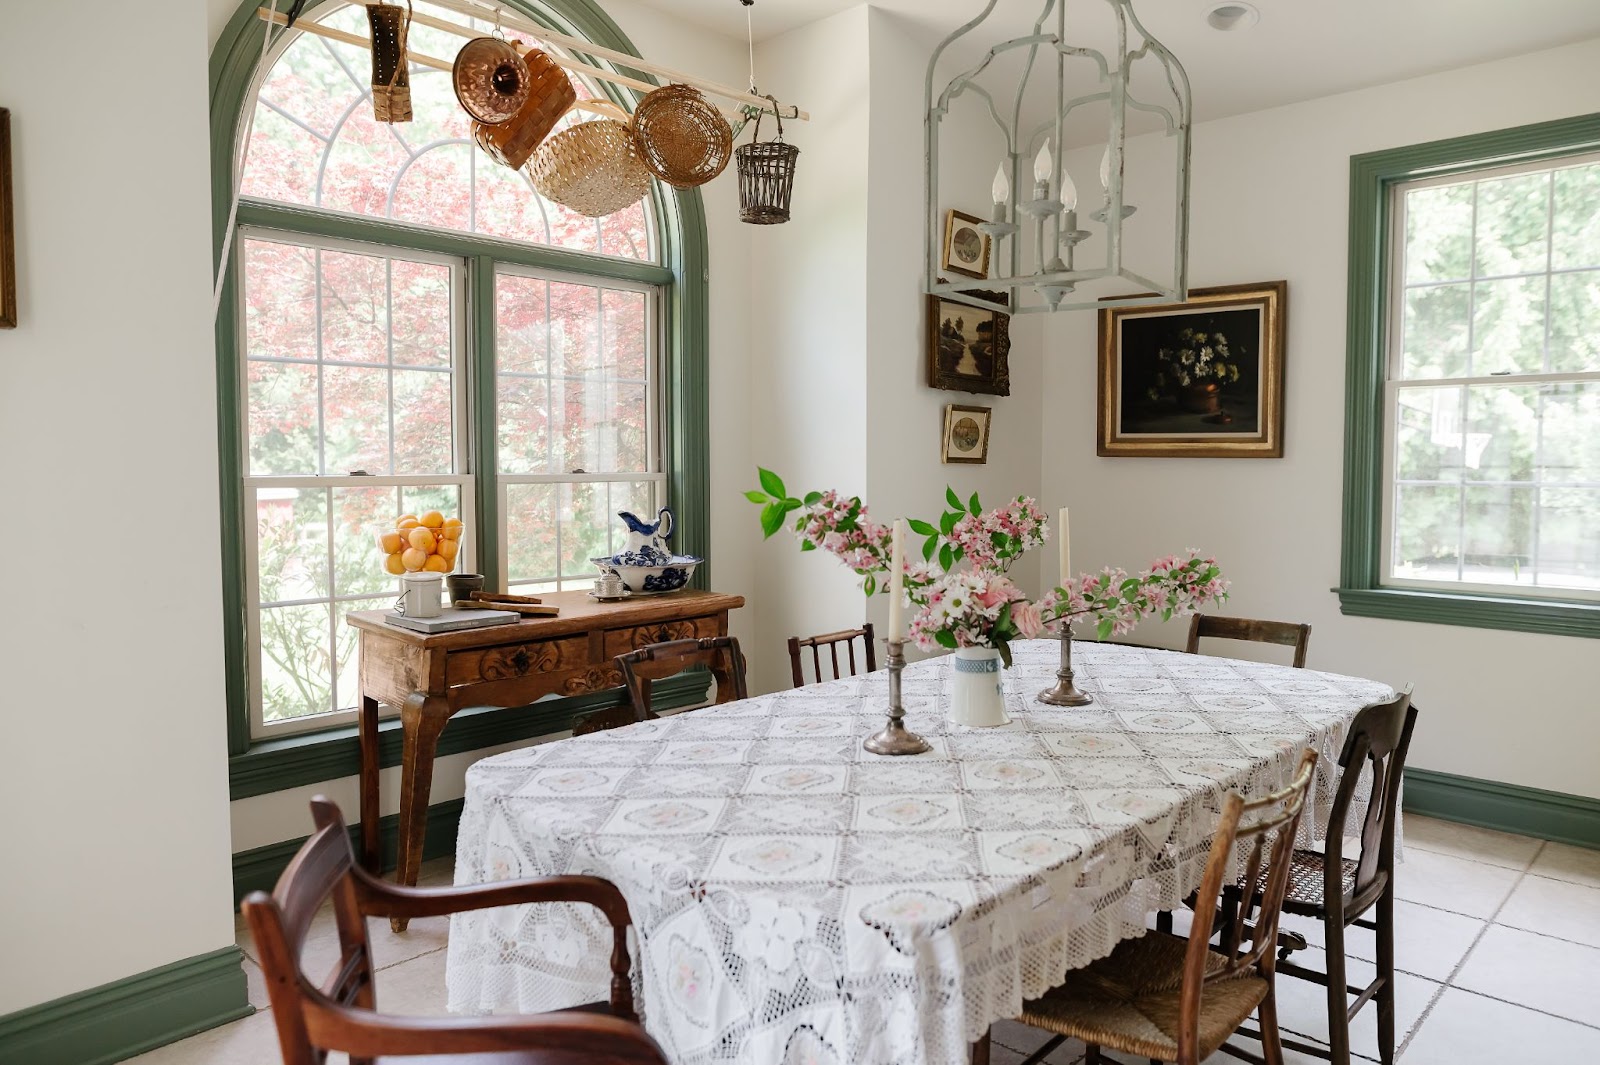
{"x": 1028, "y": 618}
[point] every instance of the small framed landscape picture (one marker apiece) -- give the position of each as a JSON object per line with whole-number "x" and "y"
{"x": 1202, "y": 378}
{"x": 966, "y": 247}
{"x": 966, "y": 433}
{"x": 8, "y": 252}
{"x": 969, "y": 347}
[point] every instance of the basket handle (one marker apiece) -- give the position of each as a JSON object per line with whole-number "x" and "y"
{"x": 777, "y": 113}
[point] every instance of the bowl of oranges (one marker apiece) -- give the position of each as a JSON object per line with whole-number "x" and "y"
{"x": 426, "y": 544}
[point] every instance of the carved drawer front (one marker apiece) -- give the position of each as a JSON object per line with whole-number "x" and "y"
{"x": 517, "y": 660}
{"x": 620, "y": 641}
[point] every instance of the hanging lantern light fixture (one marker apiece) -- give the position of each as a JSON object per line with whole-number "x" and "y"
{"x": 1037, "y": 239}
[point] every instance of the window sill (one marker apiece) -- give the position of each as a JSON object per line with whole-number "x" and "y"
{"x": 1553, "y": 617}
{"x": 313, "y": 757}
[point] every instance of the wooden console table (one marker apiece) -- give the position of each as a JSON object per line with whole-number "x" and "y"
{"x": 431, "y": 677}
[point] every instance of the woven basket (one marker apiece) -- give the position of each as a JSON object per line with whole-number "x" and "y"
{"x": 681, "y": 137}
{"x": 591, "y": 168}
{"x": 490, "y": 79}
{"x": 766, "y": 176}
{"x": 549, "y": 95}
{"x": 391, "y": 81}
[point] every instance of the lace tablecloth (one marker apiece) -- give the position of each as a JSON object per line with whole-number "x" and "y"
{"x": 800, "y": 900}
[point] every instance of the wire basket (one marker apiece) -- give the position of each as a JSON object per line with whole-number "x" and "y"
{"x": 490, "y": 79}
{"x": 766, "y": 175}
{"x": 550, "y": 94}
{"x": 391, "y": 81}
{"x": 591, "y": 168}
{"x": 681, "y": 137}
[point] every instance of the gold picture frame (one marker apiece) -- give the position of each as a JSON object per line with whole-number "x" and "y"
{"x": 1198, "y": 379}
{"x": 969, "y": 348}
{"x": 966, "y": 247}
{"x": 966, "y": 434}
{"x": 8, "y": 230}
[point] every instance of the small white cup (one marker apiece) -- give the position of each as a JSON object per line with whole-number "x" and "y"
{"x": 421, "y": 595}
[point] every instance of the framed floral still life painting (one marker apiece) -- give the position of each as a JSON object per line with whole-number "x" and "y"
{"x": 966, "y": 247}
{"x": 969, "y": 347}
{"x": 1203, "y": 378}
{"x": 966, "y": 434}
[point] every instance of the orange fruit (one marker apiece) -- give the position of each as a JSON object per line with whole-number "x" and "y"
{"x": 390, "y": 542}
{"x": 422, "y": 539}
{"x": 402, "y": 520}
{"x": 436, "y": 564}
{"x": 432, "y": 519}
{"x": 413, "y": 559}
{"x": 453, "y": 528}
{"x": 448, "y": 549}
{"x": 393, "y": 564}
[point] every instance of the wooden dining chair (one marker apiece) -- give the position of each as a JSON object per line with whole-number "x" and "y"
{"x": 315, "y": 1016}
{"x": 657, "y": 661}
{"x": 1339, "y": 891}
{"x": 1178, "y": 999}
{"x": 1285, "y": 633}
{"x": 799, "y": 644}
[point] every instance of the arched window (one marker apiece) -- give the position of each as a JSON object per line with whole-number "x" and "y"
{"x": 411, "y": 327}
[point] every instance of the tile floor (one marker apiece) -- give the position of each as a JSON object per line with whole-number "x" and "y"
{"x": 1498, "y": 945}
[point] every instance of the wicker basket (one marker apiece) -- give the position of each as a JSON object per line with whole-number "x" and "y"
{"x": 490, "y": 79}
{"x": 549, "y": 95}
{"x": 591, "y": 168}
{"x": 391, "y": 81}
{"x": 766, "y": 176}
{"x": 681, "y": 137}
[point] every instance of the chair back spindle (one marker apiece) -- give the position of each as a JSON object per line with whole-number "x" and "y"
{"x": 798, "y": 645}
{"x": 1283, "y": 633}
{"x": 657, "y": 661}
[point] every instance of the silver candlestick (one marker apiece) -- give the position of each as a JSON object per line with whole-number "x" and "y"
{"x": 894, "y": 738}
{"x": 1065, "y": 693}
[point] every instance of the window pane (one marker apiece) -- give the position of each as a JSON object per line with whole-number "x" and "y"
{"x": 1436, "y": 320}
{"x": 530, "y": 522}
{"x": 600, "y": 425}
{"x": 1570, "y": 440}
{"x": 292, "y": 543}
{"x": 420, "y": 313}
{"x": 574, "y": 327}
{"x": 359, "y": 515}
{"x": 1569, "y": 538}
{"x": 355, "y": 307}
{"x": 1508, "y": 326}
{"x": 1502, "y": 432}
{"x": 1427, "y": 532}
{"x": 296, "y": 667}
{"x": 524, "y": 437}
{"x": 280, "y": 309}
{"x": 282, "y": 420}
{"x": 626, "y": 343}
{"x": 1575, "y": 321}
{"x": 1428, "y": 437}
{"x": 355, "y": 419}
{"x": 422, "y": 422}
{"x": 1498, "y": 546}
{"x": 1438, "y": 233}
{"x": 1513, "y": 222}
{"x": 522, "y": 335}
{"x": 1577, "y": 217}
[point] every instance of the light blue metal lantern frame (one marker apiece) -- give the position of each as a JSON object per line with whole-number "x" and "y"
{"x": 1054, "y": 280}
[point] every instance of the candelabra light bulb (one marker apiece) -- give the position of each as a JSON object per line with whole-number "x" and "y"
{"x": 1105, "y": 169}
{"x": 1069, "y": 192}
{"x": 1002, "y": 185}
{"x": 1043, "y": 164}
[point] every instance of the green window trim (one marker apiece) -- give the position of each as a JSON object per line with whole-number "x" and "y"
{"x": 683, "y": 272}
{"x": 1372, "y": 176}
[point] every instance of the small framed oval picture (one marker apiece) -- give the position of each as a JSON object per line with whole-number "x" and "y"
{"x": 966, "y": 247}
{"x": 966, "y": 433}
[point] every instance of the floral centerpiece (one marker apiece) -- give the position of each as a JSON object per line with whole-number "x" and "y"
{"x": 960, "y": 587}
{"x": 1195, "y": 369}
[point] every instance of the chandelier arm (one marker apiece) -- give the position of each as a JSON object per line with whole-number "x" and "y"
{"x": 1005, "y": 46}
{"x": 994, "y": 112}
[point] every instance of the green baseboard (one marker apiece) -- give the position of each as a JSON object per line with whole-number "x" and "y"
{"x": 115, "y": 1021}
{"x": 1552, "y": 815}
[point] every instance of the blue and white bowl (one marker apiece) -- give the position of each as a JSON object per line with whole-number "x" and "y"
{"x": 647, "y": 571}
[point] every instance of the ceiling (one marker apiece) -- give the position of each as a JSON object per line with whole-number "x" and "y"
{"x": 1300, "y": 50}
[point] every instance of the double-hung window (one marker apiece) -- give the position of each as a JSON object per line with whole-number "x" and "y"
{"x": 415, "y": 329}
{"x": 1473, "y": 436}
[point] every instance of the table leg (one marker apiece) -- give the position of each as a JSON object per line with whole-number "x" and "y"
{"x": 367, "y": 726}
{"x": 422, "y": 719}
{"x": 980, "y": 1051}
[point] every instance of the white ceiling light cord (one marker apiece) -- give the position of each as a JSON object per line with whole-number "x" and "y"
{"x": 238, "y": 173}
{"x": 750, "y": 39}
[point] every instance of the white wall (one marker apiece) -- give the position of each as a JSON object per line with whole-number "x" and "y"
{"x": 114, "y": 778}
{"x": 1270, "y": 200}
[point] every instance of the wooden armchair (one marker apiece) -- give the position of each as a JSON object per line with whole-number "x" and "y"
{"x": 832, "y": 640}
{"x": 1170, "y": 998}
{"x": 1285, "y": 633}
{"x": 658, "y": 661}
{"x": 339, "y": 1014}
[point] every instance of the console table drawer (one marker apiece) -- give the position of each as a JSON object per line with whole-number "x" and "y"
{"x": 516, "y": 660}
{"x": 621, "y": 641}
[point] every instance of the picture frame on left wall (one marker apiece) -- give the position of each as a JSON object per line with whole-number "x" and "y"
{"x": 966, "y": 247}
{"x": 8, "y": 241}
{"x": 966, "y": 434}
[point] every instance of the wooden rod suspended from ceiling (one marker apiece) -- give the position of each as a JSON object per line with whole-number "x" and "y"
{"x": 528, "y": 28}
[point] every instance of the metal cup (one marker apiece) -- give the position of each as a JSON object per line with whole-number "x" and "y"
{"x": 609, "y": 585}
{"x": 462, "y": 585}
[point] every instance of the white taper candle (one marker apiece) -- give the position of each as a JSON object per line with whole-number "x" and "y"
{"x": 897, "y": 583}
{"x": 1066, "y": 549}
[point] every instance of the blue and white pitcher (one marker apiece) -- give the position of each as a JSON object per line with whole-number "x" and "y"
{"x": 647, "y": 542}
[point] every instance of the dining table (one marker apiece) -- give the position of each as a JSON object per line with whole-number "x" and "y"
{"x": 796, "y": 898}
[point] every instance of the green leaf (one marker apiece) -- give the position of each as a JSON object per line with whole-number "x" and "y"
{"x": 1104, "y": 629}
{"x": 771, "y": 519}
{"x": 772, "y": 483}
{"x": 947, "y": 523}
{"x": 755, "y": 497}
{"x": 1004, "y": 647}
{"x": 999, "y": 539}
{"x": 945, "y": 638}
{"x": 791, "y": 504}
{"x": 807, "y": 545}
{"x": 872, "y": 584}
{"x": 813, "y": 498}
{"x": 947, "y": 557}
{"x": 1131, "y": 584}
{"x": 974, "y": 507}
{"x": 955, "y": 500}
{"x": 930, "y": 547}
{"x": 921, "y": 528}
